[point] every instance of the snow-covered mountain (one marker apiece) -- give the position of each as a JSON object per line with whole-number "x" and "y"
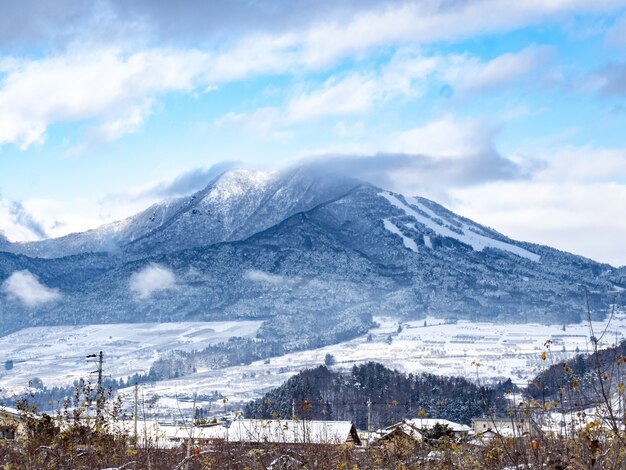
{"x": 313, "y": 256}
{"x": 234, "y": 206}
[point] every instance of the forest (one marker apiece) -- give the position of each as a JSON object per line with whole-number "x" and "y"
{"x": 322, "y": 393}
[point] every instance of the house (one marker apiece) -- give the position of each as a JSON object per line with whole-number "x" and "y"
{"x": 12, "y": 424}
{"x": 417, "y": 428}
{"x": 504, "y": 426}
{"x": 261, "y": 431}
{"x": 426, "y": 424}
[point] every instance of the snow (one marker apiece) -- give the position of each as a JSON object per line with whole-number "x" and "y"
{"x": 427, "y": 242}
{"x": 236, "y": 183}
{"x": 56, "y": 354}
{"x": 502, "y": 350}
{"x": 468, "y": 236}
{"x": 408, "y": 243}
{"x": 431, "y": 345}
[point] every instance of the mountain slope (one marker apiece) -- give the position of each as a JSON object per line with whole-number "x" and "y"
{"x": 315, "y": 276}
{"x": 234, "y": 206}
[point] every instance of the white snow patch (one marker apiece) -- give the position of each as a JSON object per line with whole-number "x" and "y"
{"x": 24, "y": 287}
{"x": 468, "y": 236}
{"x": 428, "y": 242}
{"x": 235, "y": 183}
{"x": 256, "y": 275}
{"x": 408, "y": 243}
{"x": 56, "y": 354}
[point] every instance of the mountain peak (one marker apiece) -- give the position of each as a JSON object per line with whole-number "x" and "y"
{"x": 234, "y": 184}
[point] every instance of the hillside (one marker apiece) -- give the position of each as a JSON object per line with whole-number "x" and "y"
{"x": 314, "y": 256}
{"x": 323, "y": 394}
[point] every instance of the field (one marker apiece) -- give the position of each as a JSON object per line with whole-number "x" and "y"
{"x": 431, "y": 345}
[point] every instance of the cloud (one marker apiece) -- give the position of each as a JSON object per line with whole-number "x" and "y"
{"x": 616, "y": 34}
{"x": 262, "y": 122}
{"x": 111, "y": 85}
{"x": 185, "y": 183}
{"x": 429, "y": 22}
{"x": 326, "y": 30}
{"x": 447, "y": 137}
{"x": 151, "y": 279}
{"x": 18, "y": 224}
{"x": 406, "y": 76}
{"x": 573, "y": 216}
{"x": 105, "y": 85}
{"x": 470, "y": 74}
{"x": 256, "y": 275}
{"x": 352, "y": 94}
{"x": 23, "y": 286}
{"x": 610, "y": 80}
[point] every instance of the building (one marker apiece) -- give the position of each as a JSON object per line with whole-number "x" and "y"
{"x": 418, "y": 427}
{"x": 12, "y": 424}
{"x": 262, "y": 431}
{"x": 504, "y": 426}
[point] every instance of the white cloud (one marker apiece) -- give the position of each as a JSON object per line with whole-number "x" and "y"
{"x": 262, "y": 122}
{"x": 351, "y": 94}
{"x": 254, "y": 55}
{"x": 406, "y": 75}
{"x": 117, "y": 88}
{"x": 12, "y": 223}
{"x": 106, "y": 85}
{"x": 470, "y": 74}
{"x": 432, "y": 21}
{"x": 23, "y": 286}
{"x": 153, "y": 278}
{"x": 581, "y": 218}
{"x": 445, "y": 138}
{"x": 574, "y": 201}
{"x": 256, "y": 275}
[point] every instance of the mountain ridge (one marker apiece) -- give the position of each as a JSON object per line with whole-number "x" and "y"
{"x": 319, "y": 274}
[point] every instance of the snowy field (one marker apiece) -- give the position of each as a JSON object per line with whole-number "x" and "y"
{"x": 502, "y": 351}
{"x": 56, "y": 354}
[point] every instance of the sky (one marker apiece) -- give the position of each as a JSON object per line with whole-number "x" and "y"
{"x": 512, "y": 113}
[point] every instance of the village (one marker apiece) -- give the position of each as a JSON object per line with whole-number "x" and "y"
{"x": 232, "y": 428}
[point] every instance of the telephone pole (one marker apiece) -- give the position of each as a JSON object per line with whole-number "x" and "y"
{"x": 100, "y": 389}
{"x": 369, "y": 419}
{"x": 100, "y": 393}
{"x": 135, "y": 409}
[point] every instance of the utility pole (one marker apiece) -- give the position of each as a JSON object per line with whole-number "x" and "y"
{"x": 135, "y": 408}
{"x": 293, "y": 409}
{"x": 369, "y": 419}
{"x": 100, "y": 394}
{"x": 99, "y": 390}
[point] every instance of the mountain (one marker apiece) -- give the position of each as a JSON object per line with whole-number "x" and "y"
{"x": 4, "y": 243}
{"x": 312, "y": 255}
{"x": 234, "y": 206}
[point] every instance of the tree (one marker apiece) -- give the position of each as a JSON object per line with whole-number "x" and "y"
{"x": 329, "y": 360}
{"x": 36, "y": 382}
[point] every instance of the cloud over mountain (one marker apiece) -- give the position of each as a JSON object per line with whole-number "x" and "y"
{"x": 151, "y": 279}
{"x": 23, "y": 286}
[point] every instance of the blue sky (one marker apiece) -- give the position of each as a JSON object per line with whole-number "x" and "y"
{"x": 511, "y": 113}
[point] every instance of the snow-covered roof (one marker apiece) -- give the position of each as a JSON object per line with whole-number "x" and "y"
{"x": 429, "y": 423}
{"x": 274, "y": 431}
{"x": 5, "y": 410}
{"x": 15, "y": 413}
